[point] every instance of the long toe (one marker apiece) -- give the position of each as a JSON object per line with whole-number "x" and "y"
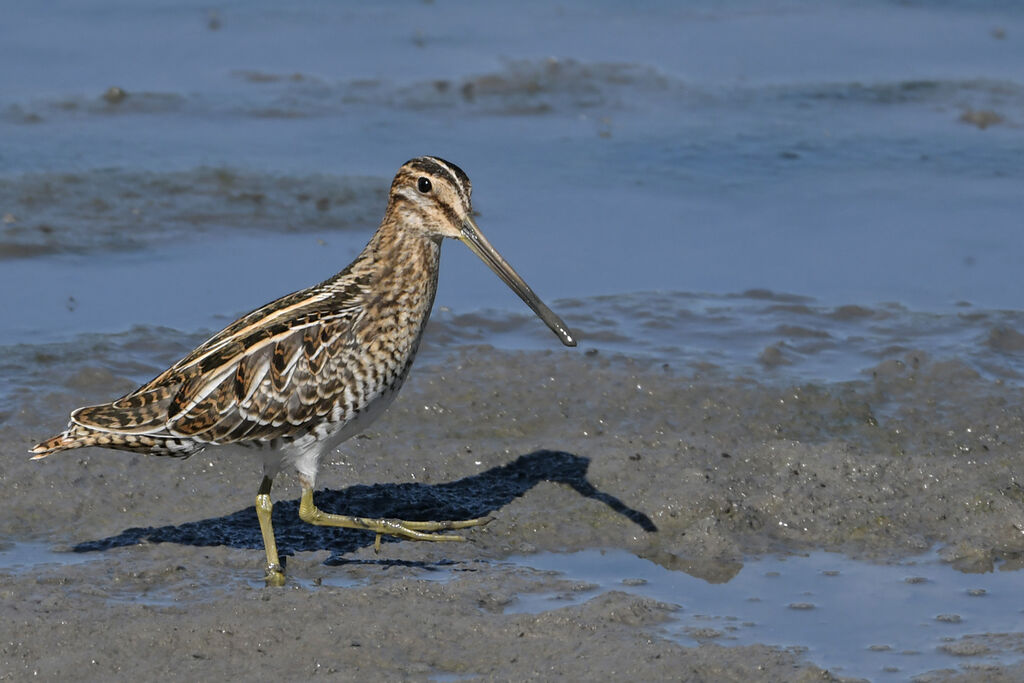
{"x": 442, "y": 526}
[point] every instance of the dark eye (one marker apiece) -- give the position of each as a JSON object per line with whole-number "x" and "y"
{"x": 423, "y": 185}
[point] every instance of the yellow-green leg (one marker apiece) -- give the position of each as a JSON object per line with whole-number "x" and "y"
{"x": 417, "y": 531}
{"x": 264, "y": 506}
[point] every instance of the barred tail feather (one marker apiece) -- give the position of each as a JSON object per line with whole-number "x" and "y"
{"x": 62, "y": 442}
{"x": 80, "y": 436}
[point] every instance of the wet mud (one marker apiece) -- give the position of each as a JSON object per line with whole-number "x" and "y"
{"x": 696, "y": 472}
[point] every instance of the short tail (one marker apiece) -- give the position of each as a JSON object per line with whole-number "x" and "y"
{"x": 61, "y": 442}
{"x": 80, "y": 436}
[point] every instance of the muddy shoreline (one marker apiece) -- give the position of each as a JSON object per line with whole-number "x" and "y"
{"x": 694, "y": 471}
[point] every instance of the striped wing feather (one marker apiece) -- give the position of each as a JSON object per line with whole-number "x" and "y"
{"x": 278, "y": 367}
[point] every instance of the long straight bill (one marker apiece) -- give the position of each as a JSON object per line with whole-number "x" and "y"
{"x": 475, "y": 240}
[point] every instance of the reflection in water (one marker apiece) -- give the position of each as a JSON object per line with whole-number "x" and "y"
{"x": 710, "y": 569}
{"x": 880, "y": 621}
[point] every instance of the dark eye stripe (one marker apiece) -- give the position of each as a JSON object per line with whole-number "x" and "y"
{"x": 450, "y": 213}
{"x": 439, "y": 168}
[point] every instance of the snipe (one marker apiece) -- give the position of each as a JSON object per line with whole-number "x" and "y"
{"x": 300, "y": 375}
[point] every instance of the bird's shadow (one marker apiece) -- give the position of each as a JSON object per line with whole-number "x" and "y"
{"x": 475, "y": 496}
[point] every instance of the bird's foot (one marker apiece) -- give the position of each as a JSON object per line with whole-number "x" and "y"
{"x": 417, "y": 531}
{"x": 275, "y": 575}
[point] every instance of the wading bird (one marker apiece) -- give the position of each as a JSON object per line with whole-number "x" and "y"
{"x": 300, "y": 375}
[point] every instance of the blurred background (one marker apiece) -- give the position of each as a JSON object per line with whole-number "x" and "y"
{"x": 178, "y": 163}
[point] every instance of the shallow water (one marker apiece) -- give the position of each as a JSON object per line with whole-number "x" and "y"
{"x": 877, "y": 621}
{"x": 25, "y": 556}
{"x": 771, "y": 192}
{"x": 842, "y": 171}
{"x": 775, "y": 336}
{"x": 698, "y": 173}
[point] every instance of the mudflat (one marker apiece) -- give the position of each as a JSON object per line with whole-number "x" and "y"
{"x": 694, "y": 471}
